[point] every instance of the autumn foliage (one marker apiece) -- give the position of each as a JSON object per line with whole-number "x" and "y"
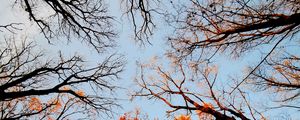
{"x": 220, "y": 55}
{"x": 36, "y": 84}
{"x": 256, "y": 39}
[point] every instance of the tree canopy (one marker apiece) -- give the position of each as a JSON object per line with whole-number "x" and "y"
{"x": 204, "y": 31}
{"x": 261, "y": 37}
{"x": 34, "y": 86}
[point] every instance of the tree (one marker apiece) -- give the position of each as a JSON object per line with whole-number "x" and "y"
{"x": 34, "y": 86}
{"x": 205, "y": 30}
{"x": 198, "y": 92}
{"x": 83, "y": 19}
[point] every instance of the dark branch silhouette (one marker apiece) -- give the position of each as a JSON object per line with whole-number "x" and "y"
{"x": 84, "y": 19}
{"x": 167, "y": 88}
{"x": 206, "y": 31}
{"x": 23, "y": 75}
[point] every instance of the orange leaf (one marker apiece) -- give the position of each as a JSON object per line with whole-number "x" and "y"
{"x": 207, "y": 105}
{"x": 35, "y": 104}
{"x": 80, "y": 93}
{"x": 123, "y": 117}
{"x": 183, "y": 117}
{"x": 57, "y": 106}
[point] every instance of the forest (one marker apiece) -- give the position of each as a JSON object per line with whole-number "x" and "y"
{"x": 150, "y": 59}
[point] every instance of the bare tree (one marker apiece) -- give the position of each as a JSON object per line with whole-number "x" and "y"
{"x": 84, "y": 19}
{"x": 197, "y": 94}
{"x": 140, "y": 13}
{"x": 280, "y": 75}
{"x": 206, "y": 29}
{"x": 35, "y": 88}
{"x": 236, "y": 27}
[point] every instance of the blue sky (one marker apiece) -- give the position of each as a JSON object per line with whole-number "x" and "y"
{"x": 126, "y": 46}
{"x": 132, "y": 53}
